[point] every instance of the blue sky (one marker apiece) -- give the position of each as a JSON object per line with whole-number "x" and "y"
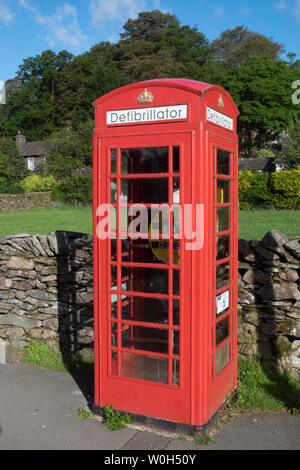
{"x": 28, "y": 27}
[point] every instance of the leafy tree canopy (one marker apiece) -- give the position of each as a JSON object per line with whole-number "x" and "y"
{"x": 261, "y": 89}
{"x": 236, "y": 46}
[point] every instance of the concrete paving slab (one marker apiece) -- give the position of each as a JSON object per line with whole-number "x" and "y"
{"x": 144, "y": 440}
{"x": 38, "y": 411}
{"x": 259, "y": 431}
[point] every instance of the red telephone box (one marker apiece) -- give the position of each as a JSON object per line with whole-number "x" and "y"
{"x": 166, "y": 249}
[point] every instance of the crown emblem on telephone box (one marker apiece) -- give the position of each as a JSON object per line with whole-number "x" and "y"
{"x": 145, "y": 97}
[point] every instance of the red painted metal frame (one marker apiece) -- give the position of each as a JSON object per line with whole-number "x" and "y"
{"x": 201, "y": 391}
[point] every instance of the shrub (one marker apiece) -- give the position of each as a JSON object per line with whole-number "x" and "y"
{"x": 76, "y": 188}
{"x": 37, "y": 183}
{"x": 286, "y": 187}
{"x": 253, "y": 188}
{"x": 10, "y": 188}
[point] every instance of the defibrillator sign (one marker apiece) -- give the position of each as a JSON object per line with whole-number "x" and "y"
{"x": 157, "y": 114}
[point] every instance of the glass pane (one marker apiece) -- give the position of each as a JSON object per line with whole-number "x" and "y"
{"x": 223, "y": 191}
{"x": 222, "y": 278}
{"x": 160, "y": 222}
{"x": 175, "y": 375}
{"x": 145, "y": 191}
{"x": 223, "y": 219}
{"x": 176, "y": 282}
{"x": 113, "y": 191}
{"x": 113, "y": 275}
{"x": 113, "y": 162}
{"x": 176, "y": 222}
{"x": 223, "y": 162}
{"x": 113, "y": 249}
{"x": 146, "y": 310}
{"x": 176, "y": 191}
{"x": 114, "y": 334}
{"x": 145, "y": 280}
{"x": 222, "y": 330}
{"x": 176, "y": 159}
{"x": 176, "y": 312}
{"x": 125, "y": 255}
{"x": 114, "y": 363}
{"x": 222, "y": 247}
{"x": 176, "y": 343}
{"x": 160, "y": 249}
{"x": 145, "y": 339}
{"x": 222, "y": 358}
{"x": 148, "y": 251}
{"x": 145, "y": 160}
{"x": 149, "y": 368}
{"x": 114, "y": 311}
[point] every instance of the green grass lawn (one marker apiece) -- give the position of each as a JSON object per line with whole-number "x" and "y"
{"x": 44, "y": 221}
{"x": 253, "y": 225}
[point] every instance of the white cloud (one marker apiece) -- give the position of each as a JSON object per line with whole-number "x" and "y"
{"x": 102, "y": 10}
{"x": 6, "y": 15}
{"x": 281, "y": 5}
{"x": 61, "y": 27}
{"x": 219, "y": 11}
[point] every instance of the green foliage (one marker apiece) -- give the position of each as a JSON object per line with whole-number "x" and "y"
{"x": 37, "y": 183}
{"x": 253, "y": 188}
{"x": 264, "y": 389}
{"x": 236, "y": 46}
{"x": 114, "y": 420}
{"x": 155, "y": 45}
{"x": 261, "y": 89}
{"x": 203, "y": 440}
{"x": 39, "y": 354}
{"x": 70, "y": 148}
{"x": 290, "y": 154}
{"x": 12, "y": 164}
{"x": 286, "y": 187}
{"x": 75, "y": 188}
{"x": 83, "y": 413}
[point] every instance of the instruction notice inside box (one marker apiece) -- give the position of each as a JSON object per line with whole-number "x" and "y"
{"x": 222, "y": 302}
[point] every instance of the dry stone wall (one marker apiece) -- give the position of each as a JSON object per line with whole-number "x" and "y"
{"x": 24, "y": 202}
{"x": 46, "y": 292}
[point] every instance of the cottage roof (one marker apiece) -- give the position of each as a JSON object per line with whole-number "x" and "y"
{"x": 33, "y": 149}
{"x": 263, "y": 164}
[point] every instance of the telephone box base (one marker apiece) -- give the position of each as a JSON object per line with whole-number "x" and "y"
{"x": 156, "y": 424}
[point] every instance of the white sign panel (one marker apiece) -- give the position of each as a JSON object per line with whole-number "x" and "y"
{"x": 218, "y": 118}
{"x": 222, "y": 302}
{"x": 137, "y": 116}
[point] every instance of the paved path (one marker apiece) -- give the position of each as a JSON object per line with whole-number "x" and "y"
{"x": 38, "y": 411}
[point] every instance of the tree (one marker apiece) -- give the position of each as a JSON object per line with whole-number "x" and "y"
{"x": 261, "y": 89}
{"x": 236, "y": 46}
{"x": 12, "y": 159}
{"x": 155, "y": 45}
{"x": 70, "y": 148}
{"x": 31, "y": 101}
{"x": 289, "y": 156}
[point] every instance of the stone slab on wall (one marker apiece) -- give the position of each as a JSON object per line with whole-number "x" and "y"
{"x": 46, "y": 292}
{"x": 23, "y": 202}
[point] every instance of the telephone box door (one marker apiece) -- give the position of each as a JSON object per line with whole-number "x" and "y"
{"x": 144, "y": 295}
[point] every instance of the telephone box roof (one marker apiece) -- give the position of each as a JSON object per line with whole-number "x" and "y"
{"x": 199, "y": 88}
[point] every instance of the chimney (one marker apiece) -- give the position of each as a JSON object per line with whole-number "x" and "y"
{"x": 20, "y": 139}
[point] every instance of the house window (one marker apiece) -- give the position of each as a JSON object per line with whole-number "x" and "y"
{"x": 30, "y": 163}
